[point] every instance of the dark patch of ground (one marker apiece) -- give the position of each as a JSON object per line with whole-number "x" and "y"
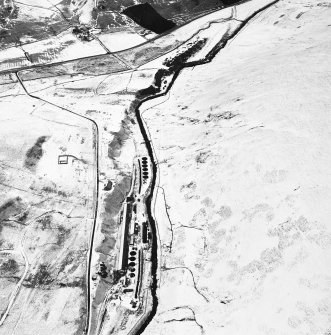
{"x": 108, "y": 186}
{"x": 9, "y": 266}
{"x": 83, "y": 32}
{"x": 62, "y": 235}
{"x": 202, "y": 157}
{"x": 34, "y": 154}
{"x": 42, "y": 277}
{"x": 175, "y": 63}
{"x": 12, "y": 207}
{"x": 79, "y": 321}
{"x": 78, "y": 282}
{"x": 7, "y": 13}
{"x": 45, "y": 221}
{"x": 105, "y": 20}
{"x": 115, "y": 146}
{"x": 98, "y": 65}
{"x": 11, "y": 34}
{"x": 46, "y": 275}
{"x": 49, "y": 189}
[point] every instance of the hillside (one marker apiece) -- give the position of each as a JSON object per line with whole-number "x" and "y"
{"x": 244, "y": 182}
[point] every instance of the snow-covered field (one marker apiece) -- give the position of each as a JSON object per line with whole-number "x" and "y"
{"x": 46, "y": 216}
{"x": 64, "y": 47}
{"x": 244, "y": 175}
{"x": 116, "y": 41}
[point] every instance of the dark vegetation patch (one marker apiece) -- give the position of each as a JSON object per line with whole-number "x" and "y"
{"x": 45, "y": 277}
{"x": 116, "y": 276}
{"x": 147, "y": 17}
{"x": 105, "y": 20}
{"x": 45, "y": 221}
{"x": 108, "y": 186}
{"x": 34, "y": 154}
{"x": 83, "y": 33}
{"x": 115, "y": 146}
{"x": 147, "y": 52}
{"x": 191, "y": 186}
{"x": 4, "y": 34}
{"x": 15, "y": 26}
{"x": 7, "y": 12}
{"x": 49, "y": 189}
{"x": 77, "y": 282}
{"x": 191, "y": 120}
{"x": 185, "y": 10}
{"x": 65, "y": 6}
{"x": 98, "y": 65}
{"x": 8, "y": 266}
{"x": 227, "y": 115}
{"x": 174, "y": 64}
{"x": 102, "y": 271}
{"x": 35, "y": 30}
{"x": 113, "y": 5}
{"x": 202, "y": 157}
{"x": 62, "y": 235}
{"x": 12, "y": 208}
{"x": 46, "y": 72}
{"x": 45, "y": 316}
{"x": 41, "y": 278}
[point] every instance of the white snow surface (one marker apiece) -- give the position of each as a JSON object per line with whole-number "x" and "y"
{"x": 244, "y": 160}
{"x": 116, "y": 41}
